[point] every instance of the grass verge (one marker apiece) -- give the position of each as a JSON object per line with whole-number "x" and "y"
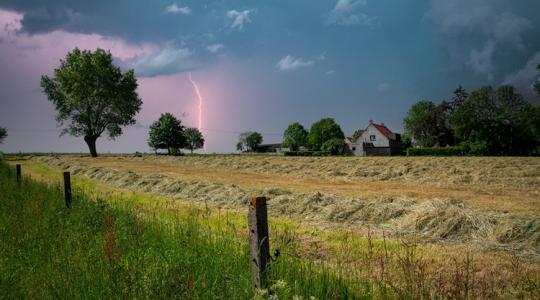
{"x": 98, "y": 249}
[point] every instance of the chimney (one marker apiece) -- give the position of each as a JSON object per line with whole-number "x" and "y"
{"x": 382, "y": 124}
{"x": 370, "y": 121}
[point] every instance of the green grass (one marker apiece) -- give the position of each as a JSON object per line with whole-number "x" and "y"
{"x": 102, "y": 249}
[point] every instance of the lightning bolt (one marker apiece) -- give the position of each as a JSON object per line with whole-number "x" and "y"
{"x": 198, "y": 92}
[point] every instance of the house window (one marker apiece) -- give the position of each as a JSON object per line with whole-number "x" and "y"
{"x": 372, "y": 137}
{"x": 353, "y": 148}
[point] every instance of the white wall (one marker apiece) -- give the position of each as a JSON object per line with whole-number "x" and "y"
{"x": 380, "y": 139}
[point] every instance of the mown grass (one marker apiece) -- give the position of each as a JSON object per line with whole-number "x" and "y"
{"x": 325, "y": 264}
{"x": 101, "y": 250}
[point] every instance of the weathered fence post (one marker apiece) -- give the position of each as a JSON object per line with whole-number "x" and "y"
{"x": 259, "y": 245}
{"x": 18, "y": 168}
{"x": 67, "y": 189}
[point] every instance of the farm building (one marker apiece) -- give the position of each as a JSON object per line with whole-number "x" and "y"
{"x": 269, "y": 148}
{"x": 376, "y": 139}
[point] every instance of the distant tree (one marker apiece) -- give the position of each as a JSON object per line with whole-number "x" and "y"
{"x": 3, "y": 134}
{"x": 194, "y": 139}
{"x": 417, "y": 123}
{"x": 249, "y": 141}
{"x": 167, "y": 133}
{"x": 322, "y": 131}
{"x": 531, "y": 121}
{"x": 242, "y": 141}
{"x": 459, "y": 98}
{"x": 495, "y": 119}
{"x": 295, "y": 136}
{"x": 92, "y": 95}
{"x": 254, "y": 140}
{"x": 334, "y": 146}
{"x": 357, "y": 134}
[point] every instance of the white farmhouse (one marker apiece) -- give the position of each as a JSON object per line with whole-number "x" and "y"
{"x": 376, "y": 139}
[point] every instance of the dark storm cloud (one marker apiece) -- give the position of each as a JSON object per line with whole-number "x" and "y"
{"x": 300, "y": 60}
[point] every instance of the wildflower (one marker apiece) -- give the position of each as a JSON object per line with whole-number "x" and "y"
{"x": 280, "y": 284}
{"x": 260, "y": 294}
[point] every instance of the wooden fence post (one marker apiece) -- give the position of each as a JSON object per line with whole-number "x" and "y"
{"x": 259, "y": 245}
{"x": 67, "y": 189}
{"x": 18, "y": 168}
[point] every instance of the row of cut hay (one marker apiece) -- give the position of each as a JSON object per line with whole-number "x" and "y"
{"x": 513, "y": 172}
{"x": 434, "y": 220}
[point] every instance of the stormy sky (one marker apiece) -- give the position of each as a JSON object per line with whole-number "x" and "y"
{"x": 262, "y": 65}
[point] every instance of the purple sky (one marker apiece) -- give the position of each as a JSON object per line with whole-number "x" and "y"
{"x": 262, "y": 66}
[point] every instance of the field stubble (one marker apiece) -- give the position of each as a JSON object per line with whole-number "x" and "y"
{"x": 506, "y": 216}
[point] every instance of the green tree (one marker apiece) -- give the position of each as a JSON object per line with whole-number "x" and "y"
{"x": 416, "y": 123}
{"x": 531, "y": 120}
{"x": 3, "y": 134}
{"x": 495, "y": 119}
{"x": 167, "y": 133}
{"x": 459, "y": 98}
{"x": 254, "y": 140}
{"x": 295, "y": 136}
{"x": 322, "y": 131}
{"x": 334, "y": 146}
{"x": 194, "y": 139}
{"x": 249, "y": 141}
{"x": 92, "y": 95}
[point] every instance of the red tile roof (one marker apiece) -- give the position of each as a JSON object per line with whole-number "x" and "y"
{"x": 384, "y": 130}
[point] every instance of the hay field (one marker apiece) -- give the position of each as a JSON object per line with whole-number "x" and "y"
{"x": 492, "y": 203}
{"x": 502, "y": 183}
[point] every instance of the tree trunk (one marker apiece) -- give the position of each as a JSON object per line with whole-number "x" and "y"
{"x": 91, "y": 142}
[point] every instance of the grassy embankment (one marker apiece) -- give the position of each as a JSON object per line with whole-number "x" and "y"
{"x": 131, "y": 248}
{"x": 367, "y": 267}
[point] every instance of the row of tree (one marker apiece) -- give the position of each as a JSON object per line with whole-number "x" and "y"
{"x": 324, "y": 135}
{"x": 487, "y": 121}
{"x": 92, "y": 96}
{"x": 168, "y": 133}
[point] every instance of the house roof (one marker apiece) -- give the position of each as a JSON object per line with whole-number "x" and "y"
{"x": 384, "y": 130}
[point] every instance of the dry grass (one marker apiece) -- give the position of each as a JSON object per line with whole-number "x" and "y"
{"x": 502, "y": 183}
{"x": 437, "y": 219}
{"x": 451, "y": 251}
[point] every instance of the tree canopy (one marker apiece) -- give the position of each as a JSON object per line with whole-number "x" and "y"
{"x": 167, "y": 133}
{"x": 295, "y": 136}
{"x": 194, "y": 139}
{"x": 334, "y": 146}
{"x": 417, "y": 125}
{"x": 322, "y": 131}
{"x": 495, "y": 119}
{"x": 486, "y": 121}
{"x": 92, "y": 95}
{"x": 3, "y": 134}
{"x": 248, "y": 141}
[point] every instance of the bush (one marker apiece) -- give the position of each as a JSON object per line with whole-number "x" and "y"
{"x": 334, "y": 146}
{"x": 298, "y": 153}
{"x": 176, "y": 152}
{"x": 474, "y": 148}
{"x": 437, "y": 151}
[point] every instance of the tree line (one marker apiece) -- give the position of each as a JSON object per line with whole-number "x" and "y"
{"x": 94, "y": 97}
{"x": 325, "y": 136}
{"x": 486, "y": 121}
